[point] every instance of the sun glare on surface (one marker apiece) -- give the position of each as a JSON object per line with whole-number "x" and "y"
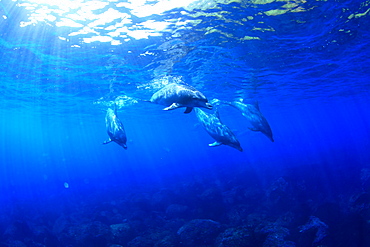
{"x": 101, "y": 21}
{"x": 117, "y": 21}
{"x": 107, "y": 20}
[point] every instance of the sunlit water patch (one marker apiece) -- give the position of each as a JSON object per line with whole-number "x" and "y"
{"x": 113, "y": 21}
{"x": 86, "y": 51}
{"x": 116, "y": 22}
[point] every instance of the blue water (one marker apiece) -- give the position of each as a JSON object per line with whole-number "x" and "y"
{"x": 63, "y": 64}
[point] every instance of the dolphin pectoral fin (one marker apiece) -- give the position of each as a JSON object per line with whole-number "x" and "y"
{"x": 188, "y": 110}
{"x": 172, "y": 107}
{"x": 215, "y": 144}
{"x": 255, "y": 130}
{"x": 106, "y": 142}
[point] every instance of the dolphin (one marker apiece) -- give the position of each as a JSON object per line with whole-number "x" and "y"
{"x": 220, "y": 132}
{"x": 253, "y": 114}
{"x": 115, "y": 129}
{"x": 177, "y": 95}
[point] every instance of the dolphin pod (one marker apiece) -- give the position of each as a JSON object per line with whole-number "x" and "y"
{"x": 219, "y": 131}
{"x": 176, "y": 95}
{"x": 115, "y": 129}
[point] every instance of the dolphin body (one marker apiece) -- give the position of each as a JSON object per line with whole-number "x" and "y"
{"x": 115, "y": 129}
{"x": 220, "y": 132}
{"x": 253, "y": 114}
{"x": 176, "y": 95}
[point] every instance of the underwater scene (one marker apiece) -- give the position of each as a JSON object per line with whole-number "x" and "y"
{"x": 192, "y": 123}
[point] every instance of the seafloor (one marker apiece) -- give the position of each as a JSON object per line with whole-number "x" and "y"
{"x": 223, "y": 208}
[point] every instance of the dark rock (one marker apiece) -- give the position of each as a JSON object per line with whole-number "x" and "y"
{"x": 255, "y": 220}
{"x": 154, "y": 238}
{"x": 275, "y": 236}
{"x": 174, "y": 225}
{"x": 15, "y": 243}
{"x": 275, "y": 229}
{"x": 91, "y": 234}
{"x": 235, "y": 237}
{"x": 279, "y": 194}
{"x": 168, "y": 241}
{"x": 141, "y": 241}
{"x": 275, "y": 240}
{"x": 31, "y": 243}
{"x": 18, "y": 230}
{"x": 59, "y": 225}
{"x": 121, "y": 233}
{"x": 319, "y": 228}
{"x": 199, "y": 232}
{"x": 360, "y": 202}
{"x": 238, "y": 214}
